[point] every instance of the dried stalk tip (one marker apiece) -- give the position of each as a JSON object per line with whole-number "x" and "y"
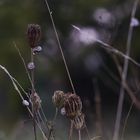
{"x": 58, "y": 98}
{"x": 33, "y": 34}
{"x": 72, "y": 105}
{"x": 36, "y": 101}
{"x": 79, "y": 121}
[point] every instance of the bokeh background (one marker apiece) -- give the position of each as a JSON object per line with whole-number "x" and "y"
{"x": 92, "y": 68}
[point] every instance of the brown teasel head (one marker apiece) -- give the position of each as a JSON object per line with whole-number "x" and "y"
{"x": 33, "y": 34}
{"x": 72, "y": 105}
{"x": 36, "y": 101}
{"x": 58, "y": 98}
{"x": 79, "y": 121}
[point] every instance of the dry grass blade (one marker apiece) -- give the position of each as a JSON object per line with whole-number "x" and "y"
{"x": 18, "y": 91}
{"x": 60, "y": 47}
{"x": 126, "y": 120}
{"x": 24, "y": 64}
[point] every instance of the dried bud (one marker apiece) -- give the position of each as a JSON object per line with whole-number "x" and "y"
{"x": 33, "y": 34}
{"x": 72, "y": 105}
{"x": 58, "y": 98}
{"x": 79, "y": 121}
{"x": 36, "y": 101}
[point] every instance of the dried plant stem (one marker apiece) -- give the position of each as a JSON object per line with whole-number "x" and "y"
{"x": 43, "y": 122}
{"x": 33, "y": 91}
{"x": 130, "y": 93}
{"x": 56, "y": 112}
{"x": 44, "y": 116}
{"x": 117, "y": 52}
{"x": 32, "y": 71}
{"x": 124, "y": 75}
{"x": 24, "y": 64}
{"x": 34, "y": 125}
{"x": 18, "y": 91}
{"x": 60, "y": 47}
{"x": 71, "y": 130}
{"x": 79, "y": 134}
{"x": 33, "y": 88}
{"x": 98, "y": 108}
{"x": 51, "y": 129}
{"x": 126, "y": 120}
{"x": 89, "y": 138}
{"x": 50, "y": 133}
{"x": 32, "y": 85}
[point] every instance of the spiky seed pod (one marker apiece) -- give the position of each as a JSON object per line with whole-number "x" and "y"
{"x": 79, "y": 121}
{"x": 33, "y": 34}
{"x": 72, "y": 105}
{"x": 58, "y": 98}
{"x": 36, "y": 101}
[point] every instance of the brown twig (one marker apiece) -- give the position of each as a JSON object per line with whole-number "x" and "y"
{"x": 60, "y": 47}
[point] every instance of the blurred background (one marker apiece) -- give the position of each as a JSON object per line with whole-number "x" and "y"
{"x": 80, "y": 23}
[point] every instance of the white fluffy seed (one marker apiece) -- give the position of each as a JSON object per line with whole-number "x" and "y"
{"x": 25, "y": 102}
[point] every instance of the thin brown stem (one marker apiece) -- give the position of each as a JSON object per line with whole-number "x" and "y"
{"x": 34, "y": 125}
{"x": 24, "y": 64}
{"x": 79, "y": 135}
{"x": 88, "y": 135}
{"x": 32, "y": 92}
{"x": 71, "y": 130}
{"x": 60, "y": 47}
{"x": 56, "y": 113}
{"x": 97, "y": 99}
{"x": 126, "y": 120}
{"x": 20, "y": 94}
{"x": 51, "y": 129}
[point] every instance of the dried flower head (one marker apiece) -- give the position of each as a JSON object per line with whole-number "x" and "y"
{"x": 79, "y": 121}
{"x": 36, "y": 101}
{"x": 33, "y": 34}
{"x": 58, "y": 98}
{"x": 72, "y": 105}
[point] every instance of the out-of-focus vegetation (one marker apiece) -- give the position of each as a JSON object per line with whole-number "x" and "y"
{"x": 107, "y": 20}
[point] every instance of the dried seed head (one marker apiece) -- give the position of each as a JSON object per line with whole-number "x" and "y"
{"x": 36, "y": 101}
{"x": 72, "y": 105}
{"x": 33, "y": 34}
{"x": 58, "y": 98}
{"x": 79, "y": 121}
